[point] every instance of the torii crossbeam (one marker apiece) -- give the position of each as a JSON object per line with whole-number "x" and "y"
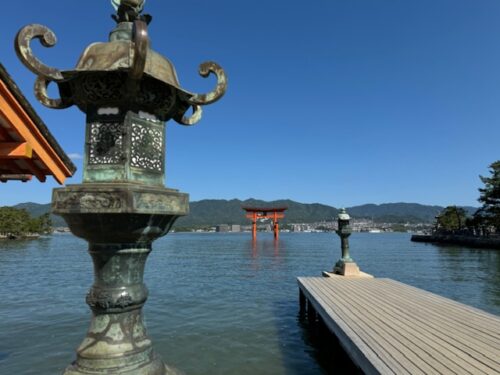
{"x": 273, "y": 213}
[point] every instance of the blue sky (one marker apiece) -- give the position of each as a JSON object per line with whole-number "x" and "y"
{"x": 341, "y": 102}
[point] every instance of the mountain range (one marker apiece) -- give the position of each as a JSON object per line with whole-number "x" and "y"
{"x": 210, "y": 212}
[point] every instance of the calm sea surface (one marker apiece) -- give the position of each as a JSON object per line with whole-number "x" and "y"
{"x": 218, "y": 304}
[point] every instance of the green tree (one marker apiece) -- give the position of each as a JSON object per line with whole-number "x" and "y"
{"x": 451, "y": 219}
{"x": 41, "y": 224}
{"x": 489, "y": 213}
{"x": 16, "y": 222}
{"x": 45, "y": 223}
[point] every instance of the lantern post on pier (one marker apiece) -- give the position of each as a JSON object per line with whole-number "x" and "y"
{"x": 345, "y": 265}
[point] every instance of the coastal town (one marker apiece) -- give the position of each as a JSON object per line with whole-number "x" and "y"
{"x": 358, "y": 225}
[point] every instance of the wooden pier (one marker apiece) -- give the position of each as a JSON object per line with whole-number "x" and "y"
{"x": 387, "y": 327}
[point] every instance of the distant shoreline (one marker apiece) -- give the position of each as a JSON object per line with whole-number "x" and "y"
{"x": 451, "y": 239}
{"x": 19, "y": 237}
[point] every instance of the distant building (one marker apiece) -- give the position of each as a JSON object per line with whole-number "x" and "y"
{"x": 222, "y": 228}
{"x": 235, "y": 228}
{"x": 268, "y": 228}
{"x": 301, "y": 227}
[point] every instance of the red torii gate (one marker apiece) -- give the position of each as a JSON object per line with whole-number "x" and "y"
{"x": 273, "y": 213}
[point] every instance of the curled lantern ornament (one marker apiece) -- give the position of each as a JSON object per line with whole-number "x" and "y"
{"x": 197, "y": 100}
{"x": 47, "y": 39}
{"x": 45, "y": 74}
{"x": 205, "y": 69}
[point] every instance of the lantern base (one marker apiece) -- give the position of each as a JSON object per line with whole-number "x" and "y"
{"x": 347, "y": 269}
{"x": 361, "y": 275}
{"x": 158, "y": 368}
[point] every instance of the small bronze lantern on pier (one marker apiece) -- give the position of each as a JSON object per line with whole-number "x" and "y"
{"x": 345, "y": 266}
{"x": 127, "y": 91}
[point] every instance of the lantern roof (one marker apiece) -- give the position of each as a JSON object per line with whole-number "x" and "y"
{"x": 343, "y": 215}
{"x": 123, "y": 72}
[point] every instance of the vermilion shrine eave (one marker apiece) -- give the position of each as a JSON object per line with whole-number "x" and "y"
{"x": 265, "y": 209}
{"x": 27, "y": 148}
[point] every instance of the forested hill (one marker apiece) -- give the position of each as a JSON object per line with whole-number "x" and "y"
{"x": 34, "y": 209}
{"x": 211, "y": 212}
{"x": 400, "y": 212}
{"x": 37, "y": 209}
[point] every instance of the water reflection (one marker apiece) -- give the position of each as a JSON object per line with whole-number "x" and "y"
{"x": 266, "y": 246}
{"x": 255, "y": 252}
{"x": 325, "y": 348}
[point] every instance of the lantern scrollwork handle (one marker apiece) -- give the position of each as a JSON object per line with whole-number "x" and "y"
{"x": 45, "y": 74}
{"x": 25, "y": 54}
{"x": 190, "y": 120}
{"x": 41, "y": 85}
{"x": 205, "y": 69}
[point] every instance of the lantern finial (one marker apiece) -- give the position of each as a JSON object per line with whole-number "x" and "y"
{"x": 129, "y": 11}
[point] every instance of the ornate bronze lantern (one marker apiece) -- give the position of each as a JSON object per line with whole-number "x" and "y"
{"x": 127, "y": 91}
{"x": 345, "y": 265}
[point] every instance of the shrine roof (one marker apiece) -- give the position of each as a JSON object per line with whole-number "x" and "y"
{"x": 265, "y": 209}
{"x": 27, "y": 147}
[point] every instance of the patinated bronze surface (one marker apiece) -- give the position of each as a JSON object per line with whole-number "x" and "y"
{"x": 127, "y": 92}
{"x": 344, "y": 231}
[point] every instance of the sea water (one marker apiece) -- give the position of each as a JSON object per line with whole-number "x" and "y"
{"x": 219, "y": 303}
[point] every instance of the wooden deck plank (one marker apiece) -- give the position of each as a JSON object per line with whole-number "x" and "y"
{"x": 428, "y": 327}
{"x": 466, "y": 340}
{"x": 390, "y": 327}
{"x": 411, "y": 308}
{"x": 358, "y": 348}
{"x": 387, "y": 343}
{"x": 412, "y": 302}
{"x": 476, "y": 319}
{"x": 390, "y": 355}
{"x": 457, "y": 370}
{"x": 458, "y": 310}
{"x": 409, "y": 342}
{"x": 443, "y": 322}
{"x": 395, "y": 344}
{"x": 428, "y": 336}
{"x": 366, "y": 288}
{"x": 481, "y": 337}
